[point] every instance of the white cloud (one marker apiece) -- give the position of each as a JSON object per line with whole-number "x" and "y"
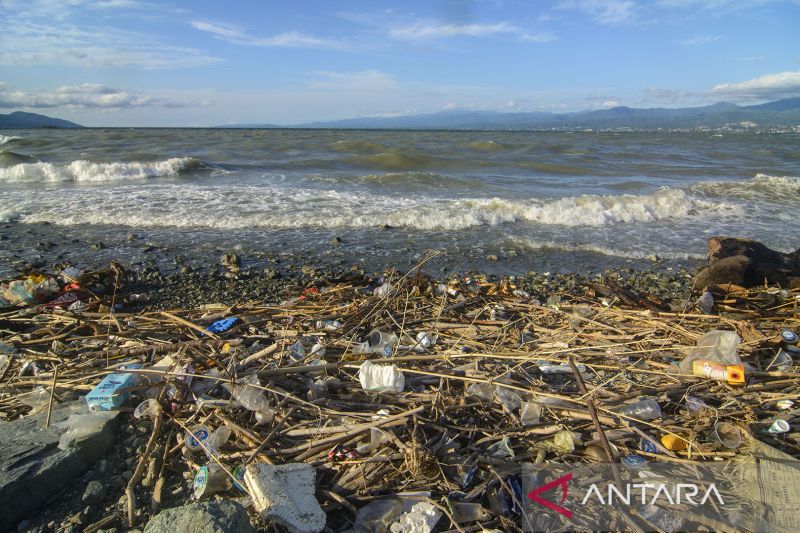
{"x": 235, "y": 35}
{"x": 48, "y": 37}
{"x": 602, "y": 11}
{"x": 423, "y": 32}
{"x": 767, "y": 87}
{"x": 85, "y": 96}
{"x": 699, "y": 40}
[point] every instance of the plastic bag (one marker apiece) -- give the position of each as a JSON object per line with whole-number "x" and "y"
{"x": 81, "y": 426}
{"x": 251, "y": 398}
{"x": 381, "y": 378}
{"x": 716, "y": 345}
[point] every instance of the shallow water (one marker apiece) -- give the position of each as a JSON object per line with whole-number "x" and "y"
{"x": 398, "y": 193}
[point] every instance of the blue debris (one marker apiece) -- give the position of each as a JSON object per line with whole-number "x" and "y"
{"x": 221, "y": 326}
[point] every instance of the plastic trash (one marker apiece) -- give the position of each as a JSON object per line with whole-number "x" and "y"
{"x": 779, "y": 426}
{"x": 546, "y": 367}
{"x": 329, "y": 325}
{"x": 33, "y": 289}
{"x": 297, "y": 351}
{"x": 37, "y": 398}
{"x": 422, "y": 518}
{"x": 110, "y": 392}
{"x": 221, "y": 326}
{"x": 148, "y": 408}
{"x": 642, "y": 410}
{"x": 459, "y": 470}
{"x": 382, "y": 343}
{"x": 726, "y": 434}
{"x": 733, "y": 374}
{"x": 782, "y": 362}
{"x": 197, "y": 437}
{"x": 530, "y": 413}
{"x": 426, "y": 340}
{"x": 790, "y": 339}
{"x": 464, "y": 512}
{"x": 6, "y": 348}
{"x": 361, "y": 348}
{"x": 383, "y": 290}
{"x": 705, "y": 303}
{"x": 376, "y": 438}
{"x": 562, "y": 442}
{"x": 251, "y": 398}
{"x": 509, "y": 399}
{"x": 674, "y": 442}
{"x": 378, "y": 516}
{"x": 500, "y": 450}
{"x": 381, "y": 378}
{"x": 718, "y": 346}
{"x": 82, "y": 426}
{"x": 209, "y": 480}
{"x": 481, "y": 390}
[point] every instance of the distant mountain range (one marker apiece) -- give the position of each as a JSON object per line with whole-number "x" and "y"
{"x": 779, "y": 113}
{"x": 20, "y": 119}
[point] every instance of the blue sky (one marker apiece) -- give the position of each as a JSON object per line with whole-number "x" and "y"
{"x": 131, "y": 62}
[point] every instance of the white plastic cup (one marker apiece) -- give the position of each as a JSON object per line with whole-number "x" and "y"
{"x": 779, "y": 426}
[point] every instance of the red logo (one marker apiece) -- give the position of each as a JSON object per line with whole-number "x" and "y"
{"x": 562, "y": 482}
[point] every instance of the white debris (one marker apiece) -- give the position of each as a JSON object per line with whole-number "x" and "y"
{"x": 285, "y": 494}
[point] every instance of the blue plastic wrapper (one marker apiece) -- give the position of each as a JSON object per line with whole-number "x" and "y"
{"x": 221, "y": 326}
{"x": 106, "y": 396}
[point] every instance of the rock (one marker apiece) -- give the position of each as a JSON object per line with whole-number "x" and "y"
{"x": 33, "y": 468}
{"x": 94, "y": 493}
{"x": 223, "y": 516}
{"x": 747, "y": 263}
{"x": 285, "y": 494}
{"x": 231, "y": 262}
{"x": 737, "y": 270}
{"x": 493, "y": 258}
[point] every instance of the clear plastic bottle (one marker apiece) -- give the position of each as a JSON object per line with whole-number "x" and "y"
{"x": 642, "y": 410}
{"x": 252, "y": 398}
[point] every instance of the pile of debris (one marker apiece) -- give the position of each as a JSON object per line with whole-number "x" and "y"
{"x": 395, "y": 404}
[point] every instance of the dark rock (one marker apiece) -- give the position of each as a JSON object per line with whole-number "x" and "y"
{"x": 33, "y": 468}
{"x": 224, "y": 516}
{"x": 230, "y": 261}
{"x": 94, "y": 493}
{"x": 747, "y": 263}
{"x": 737, "y": 270}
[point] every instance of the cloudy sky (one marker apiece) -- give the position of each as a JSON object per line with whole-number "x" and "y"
{"x": 138, "y": 63}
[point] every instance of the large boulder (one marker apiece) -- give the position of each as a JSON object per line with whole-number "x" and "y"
{"x": 747, "y": 263}
{"x": 32, "y": 466}
{"x": 224, "y": 516}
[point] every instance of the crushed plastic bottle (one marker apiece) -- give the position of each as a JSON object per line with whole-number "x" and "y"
{"x": 705, "y": 303}
{"x": 500, "y": 450}
{"x": 378, "y": 516}
{"x": 530, "y": 413}
{"x": 329, "y": 325}
{"x": 251, "y": 398}
{"x": 642, "y": 410}
{"x": 381, "y": 378}
{"x": 376, "y": 438}
{"x": 509, "y": 399}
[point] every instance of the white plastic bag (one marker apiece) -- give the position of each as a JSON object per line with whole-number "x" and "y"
{"x": 381, "y": 378}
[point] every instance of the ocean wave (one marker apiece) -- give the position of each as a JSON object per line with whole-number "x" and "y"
{"x": 9, "y": 158}
{"x": 87, "y": 171}
{"x": 760, "y": 187}
{"x": 288, "y": 207}
{"x": 400, "y": 161}
{"x": 531, "y": 245}
{"x": 359, "y": 147}
{"x": 5, "y": 139}
{"x": 403, "y": 180}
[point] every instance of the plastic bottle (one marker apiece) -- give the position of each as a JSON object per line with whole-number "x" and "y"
{"x": 642, "y": 410}
{"x": 378, "y": 515}
{"x": 329, "y": 325}
{"x": 252, "y": 398}
{"x": 733, "y": 374}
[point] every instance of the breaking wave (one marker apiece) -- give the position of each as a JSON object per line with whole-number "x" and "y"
{"x": 535, "y": 246}
{"x": 760, "y": 187}
{"x": 209, "y": 206}
{"x": 5, "y": 139}
{"x": 87, "y": 171}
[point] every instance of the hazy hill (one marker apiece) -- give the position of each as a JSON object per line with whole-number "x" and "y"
{"x": 20, "y": 119}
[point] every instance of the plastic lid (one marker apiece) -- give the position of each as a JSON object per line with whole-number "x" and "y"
{"x": 200, "y": 482}
{"x": 789, "y": 336}
{"x": 197, "y": 434}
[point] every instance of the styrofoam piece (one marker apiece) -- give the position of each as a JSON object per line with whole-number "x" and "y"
{"x": 285, "y": 494}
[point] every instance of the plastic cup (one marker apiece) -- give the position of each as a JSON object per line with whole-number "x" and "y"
{"x": 726, "y": 434}
{"x": 148, "y": 408}
{"x": 197, "y": 434}
{"x": 779, "y": 426}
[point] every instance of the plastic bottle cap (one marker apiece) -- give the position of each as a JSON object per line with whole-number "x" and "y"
{"x": 789, "y": 336}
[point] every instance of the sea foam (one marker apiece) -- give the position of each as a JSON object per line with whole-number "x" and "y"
{"x": 87, "y": 171}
